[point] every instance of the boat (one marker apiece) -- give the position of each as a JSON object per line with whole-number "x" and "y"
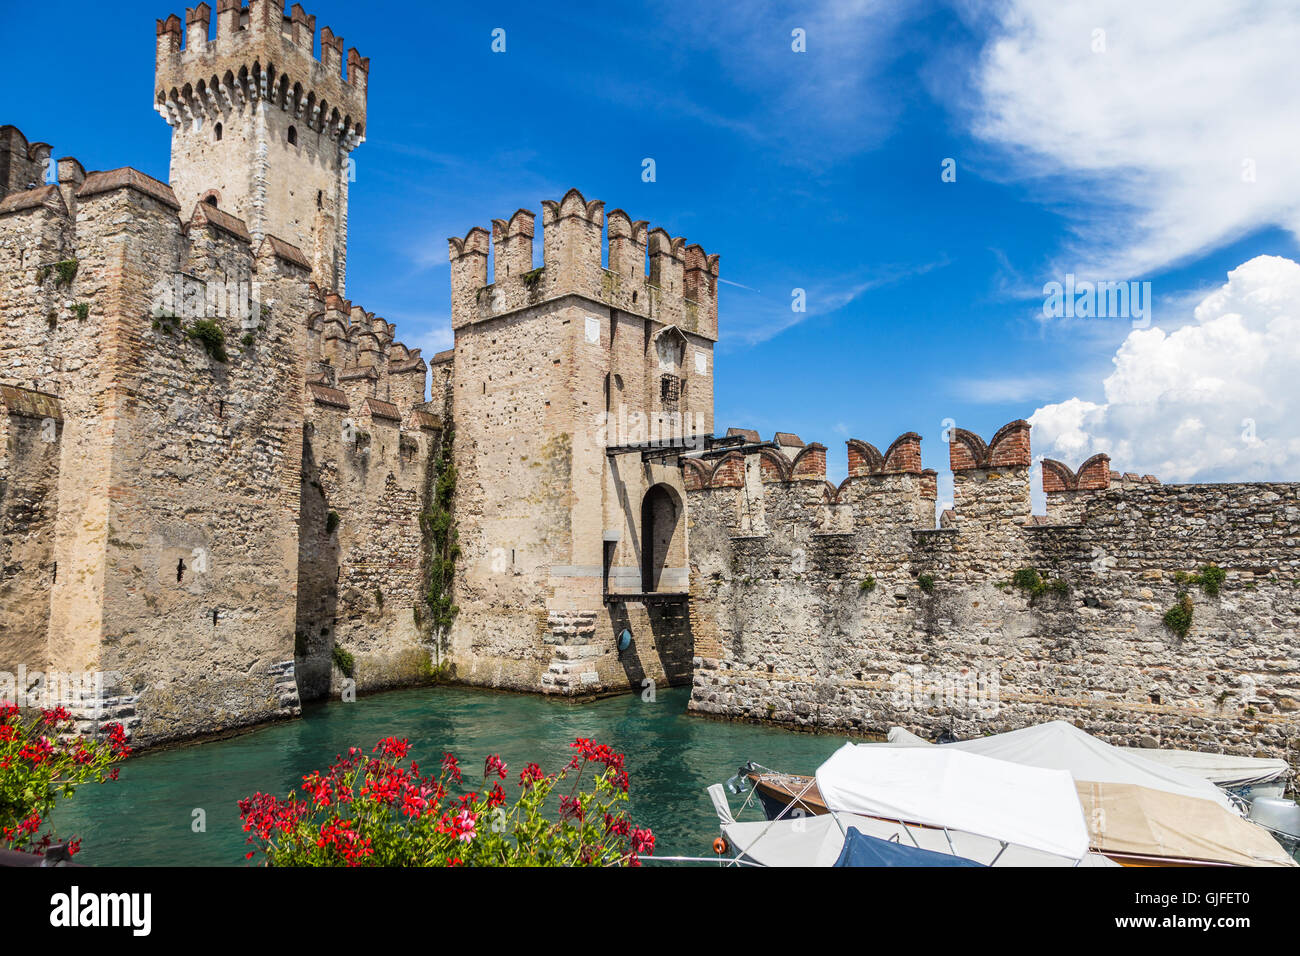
{"x": 1139, "y": 812}
{"x": 1246, "y": 777}
{"x": 934, "y": 807}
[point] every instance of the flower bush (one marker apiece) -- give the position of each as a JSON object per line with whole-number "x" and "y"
{"x": 41, "y": 760}
{"x": 375, "y": 810}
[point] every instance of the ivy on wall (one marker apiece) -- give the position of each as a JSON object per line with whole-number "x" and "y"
{"x": 442, "y": 547}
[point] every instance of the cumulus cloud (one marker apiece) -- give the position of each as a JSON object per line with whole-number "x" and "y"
{"x": 1214, "y": 400}
{"x": 1161, "y": 136}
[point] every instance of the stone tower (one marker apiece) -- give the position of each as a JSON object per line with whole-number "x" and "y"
{"x": 260, "y": 127}
{"x": 576, "y": 390}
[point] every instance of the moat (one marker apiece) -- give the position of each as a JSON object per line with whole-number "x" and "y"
{"x": 145, "y": 817}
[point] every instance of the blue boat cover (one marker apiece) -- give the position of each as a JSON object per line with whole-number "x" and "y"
{"x": 862, "y": 850}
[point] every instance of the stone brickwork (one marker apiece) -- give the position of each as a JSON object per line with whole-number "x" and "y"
{"x": 370, "y": 443}
{"x": 30, "y": 427}
{"x": 846, "y": 609}
{"x": 172, "y": 558}
{"x": 555, "y": 366}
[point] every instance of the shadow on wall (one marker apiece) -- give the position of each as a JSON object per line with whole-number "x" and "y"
{"x": 318, "y": 574}
{"x": 662, "y": 631}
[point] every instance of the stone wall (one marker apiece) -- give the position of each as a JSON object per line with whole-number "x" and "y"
{"x": 30, "y": 427}
{"x": 846, "y": 609}
{"x": 153, "y": 483}
{"x": 365, "y": 481}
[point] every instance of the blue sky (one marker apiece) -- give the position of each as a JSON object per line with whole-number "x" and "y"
{"x": 821, "y": 170}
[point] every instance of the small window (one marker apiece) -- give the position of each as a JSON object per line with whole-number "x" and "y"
{"x": 293, "y": 136}
{"x": 320, "y": 199}
{"x": 217, "y": 131}
{"x": 211, "y": 201}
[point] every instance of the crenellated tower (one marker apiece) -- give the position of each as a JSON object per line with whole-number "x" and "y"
{"x": 261, "y": 128}
{"x": 577, "y": 388}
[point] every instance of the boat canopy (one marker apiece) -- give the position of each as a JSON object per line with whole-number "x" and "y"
{"x": 945, "y": 787}
{"x": 1058, "y": 745}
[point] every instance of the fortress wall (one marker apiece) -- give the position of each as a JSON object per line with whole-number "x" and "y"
{"x": 200, "y": 567}
{"x": 786, "y": 631}
{"x": 170, "y": 490}
{"x": 514, "y": 460}
{"x": 22, "y": 164}
{"x": 38, "y": 323}
{"x": 360, "y": 584}
{"x": 30, "y": 426}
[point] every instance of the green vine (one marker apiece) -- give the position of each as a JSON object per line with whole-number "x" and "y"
{"x": 1209, "y": 577}
{"x": 443, "y": 545}
{"x": 867, "y": 585}
{"x": 209, "y": 334}
{"x": 1034, "y": 584}
{"x": 344, "y": 661}
{"x": 81, "y": 310}
{"x": 925, "y": 582}
{"x": 1179, "y": 617}
{"x": 66, "y": 271}
{"x": 165, "y": 321}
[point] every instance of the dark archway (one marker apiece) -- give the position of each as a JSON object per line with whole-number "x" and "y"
{"x": 660, "y": 536}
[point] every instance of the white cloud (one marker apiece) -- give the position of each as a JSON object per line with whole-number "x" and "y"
{"x": 1146, "y": 141}
{"x": 1214, "y": 400}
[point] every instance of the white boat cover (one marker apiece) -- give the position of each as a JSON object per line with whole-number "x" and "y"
{"x": 1058, "y": 745}
{"x": 898, "y": 737}
{"x": 945, "y": 787}
{"x": 817, "y": 841}
{"x": 1222, "y": 770}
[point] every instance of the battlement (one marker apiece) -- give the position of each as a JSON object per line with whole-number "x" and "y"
{"x": 649, "y": 273}
{"x": 991, "y": 481}
{"x": 259, "y": 54}
{"x": 783, "y": 483}
{"x": 1093, "y": 475}
{"x": 1008, "y": 449}
{"x": 356, "y": 354}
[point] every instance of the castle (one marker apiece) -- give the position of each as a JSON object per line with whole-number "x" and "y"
{"x": 230, "y": 490}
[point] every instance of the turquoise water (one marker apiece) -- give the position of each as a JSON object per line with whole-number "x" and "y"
{"x": 145, "y": 817}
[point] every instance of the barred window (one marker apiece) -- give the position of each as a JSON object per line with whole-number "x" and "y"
{"x": 670, "y": 389}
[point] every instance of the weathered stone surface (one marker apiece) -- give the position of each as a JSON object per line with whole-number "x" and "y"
{"x": 786, "y": 630}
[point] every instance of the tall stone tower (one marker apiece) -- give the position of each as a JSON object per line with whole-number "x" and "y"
{"x": 576, "y": 390}
{"x": 260, "y": 127}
